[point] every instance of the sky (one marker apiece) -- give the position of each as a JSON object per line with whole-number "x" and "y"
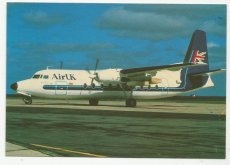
{"x": 119, "y": 35}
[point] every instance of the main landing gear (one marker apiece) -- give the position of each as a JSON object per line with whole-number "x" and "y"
{"x": 130, "y": 103}
{"x": 27, "y": 100}
{"x": 93, "y": 102}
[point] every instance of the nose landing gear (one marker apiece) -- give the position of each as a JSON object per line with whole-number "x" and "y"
{"x": 27, "y": 100}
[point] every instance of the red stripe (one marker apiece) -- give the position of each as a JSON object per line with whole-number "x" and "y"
{"x": 200, "y": 57}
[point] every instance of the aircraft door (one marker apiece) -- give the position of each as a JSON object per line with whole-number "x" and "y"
{"x": 61, "y": 88}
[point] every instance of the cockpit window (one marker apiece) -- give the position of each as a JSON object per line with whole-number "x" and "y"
{"x": 36, "y": 76}
{"x": 45, "y": 77}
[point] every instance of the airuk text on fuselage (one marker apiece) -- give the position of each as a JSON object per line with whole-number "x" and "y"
{"x": 63, "y": 77}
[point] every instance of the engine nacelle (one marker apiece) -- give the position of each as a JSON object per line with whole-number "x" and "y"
{"x": 142, "y": 81}
{"x": 109, "y": 76}
{"x": 154, "y": 80}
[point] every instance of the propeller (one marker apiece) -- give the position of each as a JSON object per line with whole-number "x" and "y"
{"x": 97, "y": 62}
{"x": 95, "y": 74}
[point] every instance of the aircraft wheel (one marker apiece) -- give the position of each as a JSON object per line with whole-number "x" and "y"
{"x": 27, "y": 100}
{"x": 131, "y": 103}
{"x": 93, "y": 102}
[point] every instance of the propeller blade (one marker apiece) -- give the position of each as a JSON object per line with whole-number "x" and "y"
{"x": 96, "y": 77}
{"x": 61, "y": 64}
{"x": 87, "y": 69}
{"x": 95, "y": 74}
{"x": 92, "y": 81}
{"x": 97, "y": 62}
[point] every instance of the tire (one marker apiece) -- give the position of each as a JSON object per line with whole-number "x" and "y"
{"x": 93, "y": 102}
{"x": 131, "y": 103}
{"x": 27, "y": 100}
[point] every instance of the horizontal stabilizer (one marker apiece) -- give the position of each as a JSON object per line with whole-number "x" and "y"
{"x": 211, "y": 72}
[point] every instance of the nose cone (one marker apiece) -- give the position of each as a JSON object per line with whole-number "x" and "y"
{"x": 14, "y": 86}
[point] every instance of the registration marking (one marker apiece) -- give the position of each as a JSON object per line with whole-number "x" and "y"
{"x": 69, "y": 151}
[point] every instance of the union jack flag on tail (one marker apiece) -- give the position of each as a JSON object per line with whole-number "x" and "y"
{"x": 198, "y": 57}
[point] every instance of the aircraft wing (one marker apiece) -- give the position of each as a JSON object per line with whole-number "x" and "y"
{"x": 152, "y": 70}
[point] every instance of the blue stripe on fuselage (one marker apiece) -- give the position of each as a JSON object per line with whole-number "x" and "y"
{"x": 96, "y": 88}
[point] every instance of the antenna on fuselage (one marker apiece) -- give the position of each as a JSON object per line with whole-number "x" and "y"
{"x": 61, "y": 65}
{"x": 47, "y": 68}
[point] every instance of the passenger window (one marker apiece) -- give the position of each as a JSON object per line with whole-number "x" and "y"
{"x": 36, "y": 76}
{"x": 45, "y": 77}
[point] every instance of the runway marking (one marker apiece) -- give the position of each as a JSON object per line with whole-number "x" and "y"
{"x": 69, "y": 151}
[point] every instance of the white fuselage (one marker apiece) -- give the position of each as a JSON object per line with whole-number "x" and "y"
{"x": 76, "y": 84}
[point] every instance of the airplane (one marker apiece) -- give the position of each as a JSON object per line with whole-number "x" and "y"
{"x": 130, "y": 84}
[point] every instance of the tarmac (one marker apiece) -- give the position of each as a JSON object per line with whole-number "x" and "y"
{"x": 173, "y": 106}
{"x": 177, "y": 128}
{"x": 16, "y": 150}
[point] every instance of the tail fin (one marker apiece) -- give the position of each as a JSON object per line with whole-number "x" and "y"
{"x": 197, "y": 52}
